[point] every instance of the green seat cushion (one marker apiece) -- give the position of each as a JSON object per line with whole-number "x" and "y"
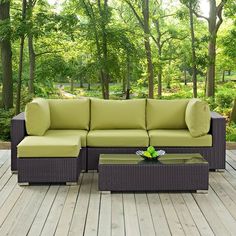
{"x": 198, "y": 117}
{"x": 49, "y": 145}
{"x": 178, "y": 138}
{"x": 166, "y": 114}
{"x": 37, "y": 116}
{"x": 64, "y": 133}
{"x": 69, "y": 113}
{"x": 117, "y": 114}
{"x": 117, "y": 138}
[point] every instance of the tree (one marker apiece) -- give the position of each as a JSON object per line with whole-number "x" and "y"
{"x": 191, "y": 4}
{"x": 20, "y": 66}
{"x": 144, "y": 24}
{"x": 6, "y": 54}
{"x": 214, "y": 21}
{"x": 32, "y": 55}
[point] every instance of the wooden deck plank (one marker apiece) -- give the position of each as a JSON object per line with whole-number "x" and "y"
{"x": 172, "y": 218}
{"x": 117, "y": 215}
{"x": 17, "y": 209}
{"x": 4, "y": 156}
{"x": 130, "y": 212}
{"x": 81, "y": 208}
{"x": 184, "y": 215}
{"x": 6, "y": 190}
{"x": 197, "y": 215}
{"x": 55, "y": 212}
{"x": 222, "y": 212}
{"x": 210, "y": 214}
{"x": 10, "y": 202}
{"x": 104, "y": 227}
{"x": 26, "y": 218}
{"x": 158, "y": 215}
{"x": 144, "y": 215}
{"x": 91, "y": 226}
{"x": 224, "y": 197}
{"x": 67, "y": 212}
{"x": 43, "y": 212}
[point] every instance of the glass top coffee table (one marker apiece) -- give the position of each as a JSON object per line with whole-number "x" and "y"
{"x": 172, "y": 172}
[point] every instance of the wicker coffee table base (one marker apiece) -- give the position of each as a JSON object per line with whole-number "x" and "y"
{"x": 120, "y": 177}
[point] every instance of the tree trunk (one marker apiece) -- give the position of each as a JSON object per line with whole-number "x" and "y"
{"x": 32, "y": 56}
{"x": 81, "y": 83}
{"x": 214, "y": 22}
{"x": 229, "y": 72}
{"x": 89, "y": 86}
{"x": 185, "y": 77}
{"x": 124, "y": 84}
{"x": 19, "y": 81}
{"x": 223, "y": 76}
{"x": 210, "y": 92}
{"x": 6, "y": 58}
{"x": 145, "y": 11}
{"x": 128, "y": 78}
{"x": 233, "y": 113}
{"x": 31, "y": 63}
{"x": 194, "y": 64}
{"x": 106, "y": 77}
{"x": 159, "y": 48}
{"x": 72, "y": 85}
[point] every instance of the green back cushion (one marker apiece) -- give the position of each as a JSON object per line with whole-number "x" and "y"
{"x": 166, "y": 114}
{"x": 117, "y": 114}
{"x": 37, "y": 116}
{"x": 69, "y": 113}
{"x": 198, "y": 117}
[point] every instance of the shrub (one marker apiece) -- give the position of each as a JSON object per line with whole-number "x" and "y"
{"x": 224, "y": 99}
{"x": 231, "y": 132}
{"x": 5, "y": 123}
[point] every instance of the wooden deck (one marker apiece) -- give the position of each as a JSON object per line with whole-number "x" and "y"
{"x": 82, "y": 210}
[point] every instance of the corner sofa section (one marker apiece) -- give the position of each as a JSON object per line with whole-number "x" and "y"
{"x": 116, "y": 126}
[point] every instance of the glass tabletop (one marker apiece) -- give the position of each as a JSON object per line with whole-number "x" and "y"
{"x": 167, "y": 159}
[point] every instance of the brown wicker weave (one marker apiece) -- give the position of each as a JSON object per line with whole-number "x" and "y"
{"x": 146, "y": 176}
{"x": 49, "y": 170}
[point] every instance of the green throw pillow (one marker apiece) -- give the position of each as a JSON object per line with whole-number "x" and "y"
{"x": 37, "y": 117}
{"x": 198, "y": 117}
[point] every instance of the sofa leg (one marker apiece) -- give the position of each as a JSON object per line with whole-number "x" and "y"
{"x": 202, "y": 191}
{"x": 24, "y": 184}
{"x": 71, "y": 183}
{"x": 219, "y": 170}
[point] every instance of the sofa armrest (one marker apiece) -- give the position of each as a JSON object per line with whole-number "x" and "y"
{"x": 218, "y": 132}
{"x": 18, "y": 132}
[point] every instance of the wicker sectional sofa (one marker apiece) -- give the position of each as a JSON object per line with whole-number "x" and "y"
{"x": 57, "y": 129}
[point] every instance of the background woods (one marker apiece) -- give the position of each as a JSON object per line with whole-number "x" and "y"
{"x": 117, "y": 49}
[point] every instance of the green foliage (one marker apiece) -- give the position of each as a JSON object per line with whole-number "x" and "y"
{"x": 5, "y": 123}
{"x": 231, "y": 132}
{"x": 224, "y": 99}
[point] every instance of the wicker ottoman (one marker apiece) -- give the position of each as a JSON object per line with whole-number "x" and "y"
{"x": 172, "y": 172}
{"x": 43, "y": 159}
{"x": 49, "y": 170}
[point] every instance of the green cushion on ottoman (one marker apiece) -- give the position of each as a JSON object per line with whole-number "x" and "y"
{"x": 37, "y": 116}
{"x": 198, "y": 117}
{"x": 49, "y": 145}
